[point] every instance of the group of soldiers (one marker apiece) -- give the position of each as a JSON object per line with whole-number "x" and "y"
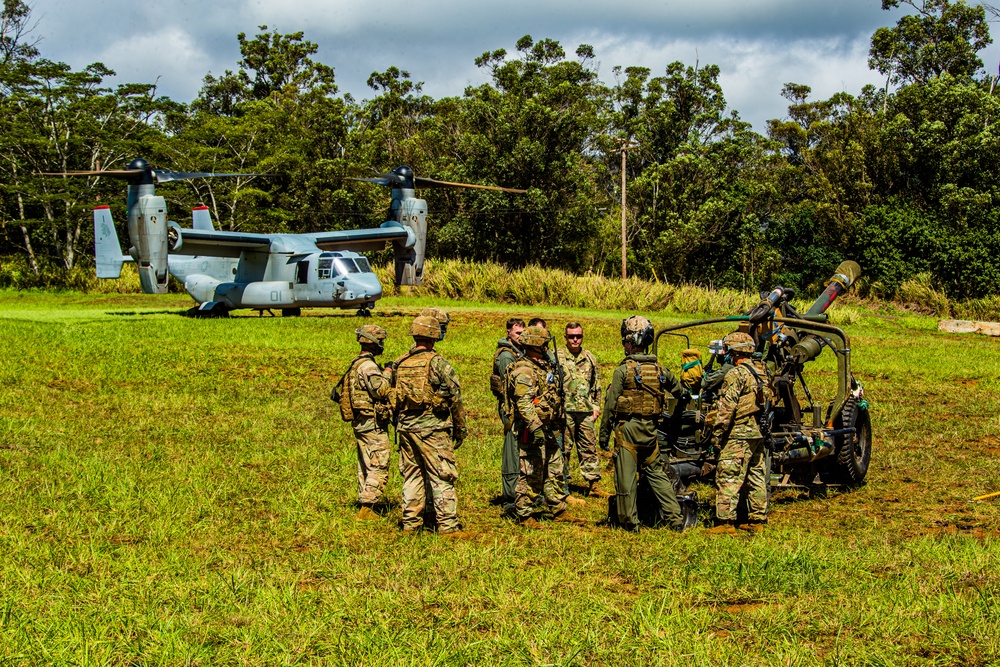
{"x": 548, "y": 402}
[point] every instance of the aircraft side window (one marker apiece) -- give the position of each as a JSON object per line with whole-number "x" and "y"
{"x": 325, "y": 268}
{"x": 303, "y": 272}
{"x": 364, "y": 265}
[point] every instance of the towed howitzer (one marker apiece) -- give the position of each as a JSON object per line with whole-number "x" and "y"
{"x": 809, "y": 440}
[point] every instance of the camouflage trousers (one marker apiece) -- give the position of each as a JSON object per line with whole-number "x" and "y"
{"x": 580, "y": 431}
{"x": 428, "y": 459}
{"x": 744, "y": 467}
{"x": 629, "y": 461}
{"x": 541, "y": 475}
{"x": 373, "y": 465}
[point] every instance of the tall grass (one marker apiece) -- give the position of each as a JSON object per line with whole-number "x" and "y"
{"x": 489, "y": 282}
{"x": 534, "y": 285}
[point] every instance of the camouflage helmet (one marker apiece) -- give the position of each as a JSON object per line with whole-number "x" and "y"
{"x": 638, "y": 331}
{"x": 371, "y": 333}
{"x": 739, "y": 342}
{"x": 536, "y": 336}
{"x": 425, "y": 326}
{"x": 440, "y": 315}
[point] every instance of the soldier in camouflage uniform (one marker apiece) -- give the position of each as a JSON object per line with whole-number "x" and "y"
{"x": 441, "y": 316}
{"x": 744, "y": 464}
{"x": 633, "y": 403}
{"x": 582, "y": 385}
{"x": 430, "y": 423}
{"x": 508, "y": 351}
{"x": 533, "y": 398}
{"x": 363, "y": 395}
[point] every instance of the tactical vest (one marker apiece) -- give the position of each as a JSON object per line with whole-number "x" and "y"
{"x": 496, "y": 381}
{"x": 642, "y": 395}
{"x": 415, "y": 388}
{"x": 342, "y": 394}
{"x": 361, "y": 400}
{"x": 761, "y": 394}
{"x": 547, "y": 401}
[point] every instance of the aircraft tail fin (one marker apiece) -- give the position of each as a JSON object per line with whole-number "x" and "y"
{"x": 107, "y": 248}
{"x": 201, "y": 218}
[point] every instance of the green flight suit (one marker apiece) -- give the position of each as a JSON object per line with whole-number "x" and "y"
{"x": 510, "y": 465}
{"x": 637, "y": 450}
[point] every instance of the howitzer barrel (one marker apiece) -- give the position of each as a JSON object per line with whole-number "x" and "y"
{"x": 848, "y": 272}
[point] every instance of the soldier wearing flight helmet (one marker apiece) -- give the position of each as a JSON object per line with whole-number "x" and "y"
{"x": 363, "y": 395}
{"x": 632, "y": 405}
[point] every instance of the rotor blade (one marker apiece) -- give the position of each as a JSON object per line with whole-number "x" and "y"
{"x": 387, "y": 180}
{"x": 165, "y": 175}
{"x": 431, "y": 183}
{"x": 113, "y": 173}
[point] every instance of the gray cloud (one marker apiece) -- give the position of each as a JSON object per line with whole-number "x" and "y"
{"x": 758, "y": 44}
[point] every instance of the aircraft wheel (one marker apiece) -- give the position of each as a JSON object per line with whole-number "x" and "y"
{"x": 291, "y": 312}
{"x": 364, "y": 312}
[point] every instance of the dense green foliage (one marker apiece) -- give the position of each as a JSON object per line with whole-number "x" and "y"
{"x": 903, "y": 178}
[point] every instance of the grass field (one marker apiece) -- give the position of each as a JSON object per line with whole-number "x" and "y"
{"x": 177, "y": 492}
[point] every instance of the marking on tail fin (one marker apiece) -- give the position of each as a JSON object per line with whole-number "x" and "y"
{"x": 201, "y": 218}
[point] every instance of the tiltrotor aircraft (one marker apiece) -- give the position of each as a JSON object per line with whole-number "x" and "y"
{"x": 224, "y": 271}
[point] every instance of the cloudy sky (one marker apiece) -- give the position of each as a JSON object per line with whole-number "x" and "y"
{"x": 758, "y": 44}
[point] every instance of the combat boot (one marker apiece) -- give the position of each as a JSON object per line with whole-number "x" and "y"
{"x": 366, "y": 513}
{"x": 595, "y": 490}
{"x": 753, "y": 526}
{"x": 456, "y": 535}
{"x": 722, "y": 528}
{"x": 530, "y": 523}
{"x": 571, "y": 500}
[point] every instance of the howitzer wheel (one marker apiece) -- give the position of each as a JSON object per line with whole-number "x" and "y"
{"x": 849, "y": 463}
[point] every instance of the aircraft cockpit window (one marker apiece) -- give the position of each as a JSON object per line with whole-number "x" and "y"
{"x": 325, "y": 268}
{"x": 364, "y": 265}
{"x": 345, "y": 265}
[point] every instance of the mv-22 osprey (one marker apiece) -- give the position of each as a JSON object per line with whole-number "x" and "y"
{"x": 224, "y": 271}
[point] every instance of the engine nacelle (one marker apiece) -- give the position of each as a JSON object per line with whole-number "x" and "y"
{"x": 147, "y": 228}
{"x": 411, "y": 213}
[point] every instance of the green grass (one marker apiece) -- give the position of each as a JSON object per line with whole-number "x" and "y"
{"x": 176, "y": 491}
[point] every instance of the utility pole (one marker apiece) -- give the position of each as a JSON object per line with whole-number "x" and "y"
{"x": 625, "y": 145}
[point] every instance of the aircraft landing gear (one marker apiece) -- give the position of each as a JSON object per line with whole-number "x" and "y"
{"x": 363, "y": 312}
{"x": 291, "y": 312}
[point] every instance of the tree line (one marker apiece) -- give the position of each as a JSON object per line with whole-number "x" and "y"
{"x": 901, "y": 178}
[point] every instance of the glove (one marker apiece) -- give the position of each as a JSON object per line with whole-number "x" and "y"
{"x": 458, "y": 437}
{"x": 603, "y": 444}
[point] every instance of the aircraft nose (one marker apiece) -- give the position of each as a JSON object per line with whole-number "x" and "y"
{"x": 365, "y": 286}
